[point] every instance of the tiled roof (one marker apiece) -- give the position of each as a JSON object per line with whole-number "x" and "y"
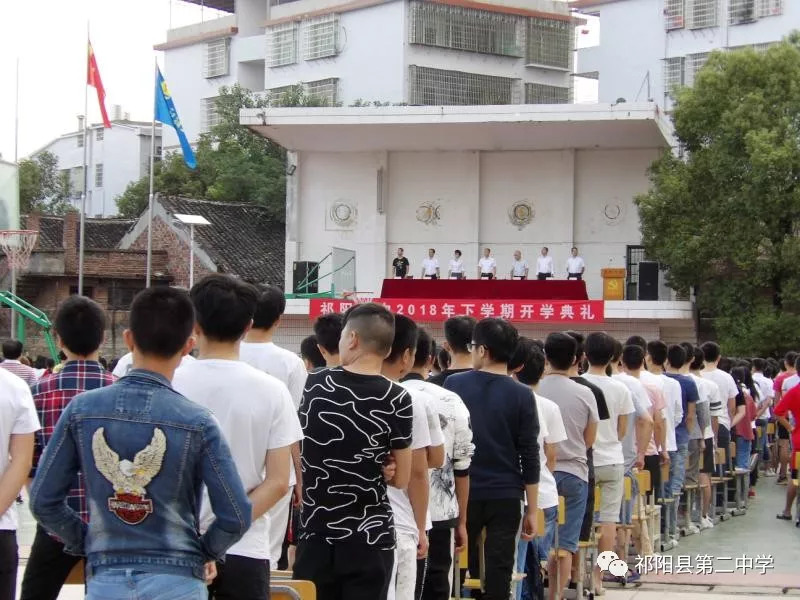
{"x": 105, "y": 233}
{"x": 51, "y": 231}
{"x": 241, "y": 239}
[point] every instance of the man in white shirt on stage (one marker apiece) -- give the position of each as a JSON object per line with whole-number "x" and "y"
{"x": 544, "y": 265}
{"x": 430, "y": 266}
{"x": 456, "y": 270}
{"x": 575, "y": 265}
{"x": 519, "y": 268}
{"x": 487, "y": 266}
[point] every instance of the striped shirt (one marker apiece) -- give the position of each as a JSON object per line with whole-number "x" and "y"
{"x": 24, "y": 372}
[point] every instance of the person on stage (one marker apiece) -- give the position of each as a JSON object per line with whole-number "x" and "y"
{"x": 519, "y": 268}
{"x": 544, "y": 265}
{"x": 430, "y": 266}
{"x": 575, "y": 265}
{"x": 400, "y": 265}
{"x": 487, "y": 266}
{"x": 456, "y": 268}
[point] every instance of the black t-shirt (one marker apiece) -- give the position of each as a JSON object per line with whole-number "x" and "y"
{"x": 602, "y": 412}
{"x": 350, "y": 423}
{"x": 440, "y": 378}
{"x": 400, "y": 266}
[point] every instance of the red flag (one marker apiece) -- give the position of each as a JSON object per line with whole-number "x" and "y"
{"x": 93, "y": 79}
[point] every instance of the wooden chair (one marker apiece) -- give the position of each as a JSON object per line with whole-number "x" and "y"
{"x": 740, "y": 482}
{"x": 471, "y": 582}
{"x": 668, "y": 525}
{"x": 719, "y": 491}
{"x": 288, "y": 589}
{"x": 77, "y": 576}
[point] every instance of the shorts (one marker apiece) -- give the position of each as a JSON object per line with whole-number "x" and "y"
{"x": 677, "y": 469}
{"x": 783, "y": 433}
{"x": 708, "y": 457}
{"x": 575, "y": 490}
{"x": 626, "y": 511}
{"x": 693, "y": 462}
{"x": 610, "y": 478}
{"x": 587, "y": 526}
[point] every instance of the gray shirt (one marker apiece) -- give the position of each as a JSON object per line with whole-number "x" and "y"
{"x": 578, "y": 411}
{"x": 641, "y": 408}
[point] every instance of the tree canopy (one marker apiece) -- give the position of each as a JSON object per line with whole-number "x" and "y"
{"x": 42, "y": 187}
{"x": 723, "y": 216}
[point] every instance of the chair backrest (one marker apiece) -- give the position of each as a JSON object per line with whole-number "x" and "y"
{"x": 796, "y": 467}
{"x": 719, "y": 456}
{"x": 770, "y": 428}
{"x": 292, "y": 590}
{"x": 628, "y": 488}
{"x": 598, "y": 497}
{"x": 665, "y": 472}
{"x": 77, "y": 576}
{"x": 644, "y": 480}
{"x": 732, "y": 447}
{"x": 540, "y": 521}
{"x": 562, "y": 510}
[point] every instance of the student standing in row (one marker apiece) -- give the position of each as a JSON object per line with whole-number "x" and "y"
{"x": 430, "y": 266}
{"x": 458, "y": 336}
{"x": 328, "y": 330}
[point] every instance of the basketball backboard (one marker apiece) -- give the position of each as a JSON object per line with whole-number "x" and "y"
{"x": 9, "y": 196}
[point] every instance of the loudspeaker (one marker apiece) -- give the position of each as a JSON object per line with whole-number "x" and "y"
{"x": 648, "y": 280}
{"x": 305, "y": 272}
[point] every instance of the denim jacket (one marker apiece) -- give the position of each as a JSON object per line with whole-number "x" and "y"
{"x": 145, "y": 452}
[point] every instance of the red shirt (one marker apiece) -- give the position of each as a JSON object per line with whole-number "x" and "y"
{"x": 744, "y": 428}
{"x": 777, "y": 385}
{"x": 790, "y": 403}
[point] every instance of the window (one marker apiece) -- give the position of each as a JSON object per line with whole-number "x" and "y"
{"x": 741, "y": 11}
{"x": 764, "y": 46}
{"x": 99, "y": 134}
{"x": 702, "y": 13}
{"x": 216, "y": 59}
{"x": 464, "y": 29}
{"x": 634, "y": 255}
{"x": 438, "y": 87}
{"x": 208, "y": 112}
{"x": 76, "y": 181}
{"x": 321, "y": 37}
{"x": 770, "y": 8}
{"x": 282, "y": 45}
{"x": 673, "y": 14}
{"x": 539, "y": 93}
{"x": 324, "y": 89}
{"x": 121, "y": 296}
{"x": 549, "y": 42}
{"x": 87, "y": 291}
{"x": 98, "y": 175}
{"x": 80, "y": 139}
{"x": 673, "y": 74}
{"x": 693, "y": 63}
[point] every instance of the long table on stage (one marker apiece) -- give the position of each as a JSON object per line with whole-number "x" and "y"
{"x": 482, "y": 289}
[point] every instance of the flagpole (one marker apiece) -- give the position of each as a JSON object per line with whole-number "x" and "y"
{"x": 152, "y": 176}
{"x": 16, "y": 158}
{"x": 82, "y": 243}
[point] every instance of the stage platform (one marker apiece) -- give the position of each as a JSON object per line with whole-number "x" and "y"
{"x": 482, "y": 289}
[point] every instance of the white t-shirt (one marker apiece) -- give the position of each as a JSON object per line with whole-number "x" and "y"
{"x": 125, "y": 364}
{"x": 518, "y": 268}
{"x": 575, "y": 264}
{"x": 17, "y": 417}
{"x": 789, "y": 383}
{"x": 706, "y": 392}
{"x": 404, "y": 521}
{"x": 552, "y": 431}
{"x": 727, "y": 389}
{"x": 673, "y": 398}
{"x": 430, "y": 265}
{"x": 256, "y": 414}
{"x": 487, "y": 264}
{"x": 608, "y": 446}
{"x": 456, "y": 266}
{"x": 765, "y": 386}
{"x": 544, "y": 264}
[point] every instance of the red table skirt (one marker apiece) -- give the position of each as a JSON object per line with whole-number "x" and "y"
{"x": 479, "y": 289}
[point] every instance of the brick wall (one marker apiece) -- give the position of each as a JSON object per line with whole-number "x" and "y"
{"x": 123, "y": 264}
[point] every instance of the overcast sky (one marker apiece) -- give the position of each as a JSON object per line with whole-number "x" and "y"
{"x": 49, "y": 38}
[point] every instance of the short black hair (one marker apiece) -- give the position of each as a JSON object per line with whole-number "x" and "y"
{"x": 425, "y": 348}
{"x": 711, "y": 351}
{"x": 530, "y": 358}
{"x": 618, "y": 347}
{"x": 579, "y": 341}
{"x": 676, "y": 356}
{"x": 599, "y": 349}
{"x": 161, "y": 320}
{"x": 270, "y": 306}
{"x": 374, "y": 324}
{"x": 560, "y": 350}
{"x": 405, "y": 337}
{"x": 725, "y": 364}
{"x": 442, "y": 359}
{"x": 790, "y": 358}
{"x": 633, "y": 357}
{"x": 224, "y": 306}
{"x": 80, "y": 323}
{"x": 499, "y": 337}
{"x": 658, "y": 352}
{"x": 458, "y": 333}
{"x": 637, "y": 340}
{"x": 759, "y": 364}
{"x": 688, "y": 347}
{"x": 698, "y": 359}
{"x": 12, "y": 349}
{"x": 328, "y": 331}
{"x": 797, "y": 364}
{"x": 458, "y": 252}
{"x": 310, "y": 351}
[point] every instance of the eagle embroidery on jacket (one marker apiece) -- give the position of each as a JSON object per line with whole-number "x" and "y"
{"x": 129, "y": 479}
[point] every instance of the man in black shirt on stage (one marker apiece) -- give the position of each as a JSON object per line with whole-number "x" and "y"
{"x": 400, "y": 265}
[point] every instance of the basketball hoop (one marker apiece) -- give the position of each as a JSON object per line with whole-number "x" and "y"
{"x": 358, "y": 297}
{"x": 17, "y": 245}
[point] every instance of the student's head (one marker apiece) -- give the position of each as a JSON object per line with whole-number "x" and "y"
{"x": 676, "y": 356}
{"x": 797, "y": 364}
{"x": 545, "y": 250}
{"x": 698, "y": 360}
{"x": 51, "y": 364}
{"x": 493, "y": 341}
{"x": 711, "y": 352}
{"x": 404, "y": 345}
{"x": 759, "y": 364}
{"x": 12, "y": 349}
{"x": 559, "y": 350}
{"x": 269, "y": 308}
{"x": 423, "y": 357}
{"x": 80, "y": 325}
{"x": 431, "y": 252}
{"x": 637, "y": 340}
{"x": 442, "y": 362}
{"x": 632, "y": 357}
{"x": 599, "y": 349}
{"x": 328, "y": 331}
{"x": 527, "y": 362}
{"x": 688, "y": 347}
{"x": 487, "y": 252}
{"x": 457, "y": 254}
{"x": 788, "y": 360}
{"x": 657, "y": 353}
{"x": 224, "y": 307}
{"x": 574, "y": 251}
{"x": 40, "y": 362}
{"x": 368, "y": 330}
{"x": 579, "y": 344}
{"x": 309, "y": 352}
{"x": 160, "y": 324}
{"x": 517, "y": 255}
{"x": 458, "y": 333}
{"x": 773, "y": 367}
{"x": 725, "y": 364}
{"x": 399, "y": 253}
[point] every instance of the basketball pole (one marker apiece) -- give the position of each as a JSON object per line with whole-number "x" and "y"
{"x": 16, "y": 149}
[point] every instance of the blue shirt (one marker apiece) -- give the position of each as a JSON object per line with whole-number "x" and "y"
{"x": 689, "y": 395}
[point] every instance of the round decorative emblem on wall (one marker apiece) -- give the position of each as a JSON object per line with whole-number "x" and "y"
{"x": 614, "y": 212}
{"x": 342, "y": 213}
{"x": 429, "y": 213}
{"x": 521, "y": 214}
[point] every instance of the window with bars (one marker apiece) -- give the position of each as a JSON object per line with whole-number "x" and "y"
{"x": 208, "y": 113}
{"x": 764, "y": 46}
{"x": 326, "y": 90}
{"x": 439, "y": 87}
{"x": 321, "y": 36}
{"x": 693, "y": 63}
{"x": 466, "y": 29}
{"x": 549, "y": 42}
{"x": 540, "y": 93}
{"x": 98, "y": 175}
{"x": 282, "y": 45}
{"x": 76, "y": 181}
{"x": 702, "y": 13}
{"x": 674, "y": 14}
{"x": 99, "y": 134}
{"x": 216, "y": 58}
{"x": 80, "y": 139}
{"x": 741, "y": 11}
{"x": 673, "y": 74}
{"x": 770, "y": 8}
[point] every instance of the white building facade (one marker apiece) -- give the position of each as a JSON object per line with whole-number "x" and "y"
{"x": 417, "y": 52}
{"x": 649, "y": 47}
{"x": 115, "y": 157}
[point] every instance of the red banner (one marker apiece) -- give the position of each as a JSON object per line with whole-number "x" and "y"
{"x": 554, "y": 311}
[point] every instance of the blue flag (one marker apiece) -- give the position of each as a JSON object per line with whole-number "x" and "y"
{"x": 166, "y": 113}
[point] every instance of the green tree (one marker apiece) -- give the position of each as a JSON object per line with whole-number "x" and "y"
{"x": 42, "y": 186}
{"x": 724, "y": 217}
